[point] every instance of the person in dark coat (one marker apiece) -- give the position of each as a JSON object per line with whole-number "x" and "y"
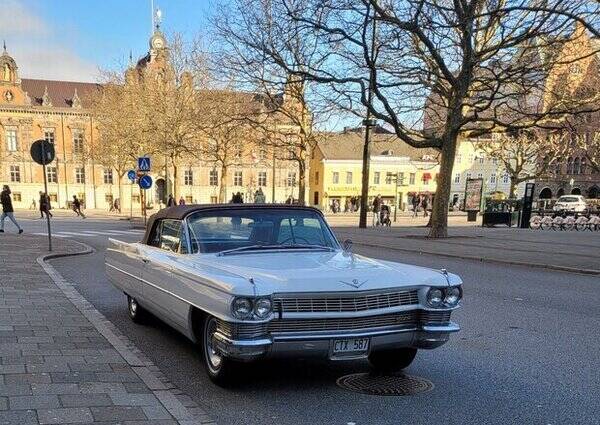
{"x": 77, "y": 207}
{"x": 171, "y": 201}
{"x": 424, "y": 204}
{"x": 376, "y": 209}
{"x": 415, "y": 203}
{"x": 44, "y": 205}
{"x": 7, "y": 209}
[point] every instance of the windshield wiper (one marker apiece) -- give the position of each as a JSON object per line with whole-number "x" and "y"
{"x": 269, "y": 247}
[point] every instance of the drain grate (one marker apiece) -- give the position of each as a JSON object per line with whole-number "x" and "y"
{"x": 388, "y": 385}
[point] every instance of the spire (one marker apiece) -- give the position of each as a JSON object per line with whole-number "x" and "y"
{"x": 4, "y": 46}
{"x": 130, "y": 58}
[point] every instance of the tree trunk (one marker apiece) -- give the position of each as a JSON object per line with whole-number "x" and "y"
{"x": 223, "y": 185}
{"x": 301, "y": 181}
{"x": 175, "y": 180}
{"x": 513, "y": 188}
{"x": 439, "y": 215}
{"x": 364, "y": 198}
{"x": 120, "y": 187}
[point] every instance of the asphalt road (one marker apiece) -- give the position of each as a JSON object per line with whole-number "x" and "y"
{"x": 528, "y": 351}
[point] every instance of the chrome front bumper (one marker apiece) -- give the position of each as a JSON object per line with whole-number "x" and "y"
{"x": 319, "y": 345}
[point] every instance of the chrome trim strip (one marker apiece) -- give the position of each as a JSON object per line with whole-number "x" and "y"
{"x": 277, "y": 337}
{"x": 241, "y": 342}
{"x": 450, "y": 327}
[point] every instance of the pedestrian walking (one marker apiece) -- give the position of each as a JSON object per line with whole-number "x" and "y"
{"x": 415, "y": 204}
{"x": 424, "y": 204}
{"x": 259, "y": 197}
{"x": 33, "y": 205}
{"x": 7, "y": 209}
{"x": 77, "y": 207}
{"x": 376, "y": 209}
{"x": 44, "y": 205}
{"x": 181, "y": 200}
{"x": 170, "y": 201}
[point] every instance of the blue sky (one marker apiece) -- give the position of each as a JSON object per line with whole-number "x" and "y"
{"x": 73, "y": 39}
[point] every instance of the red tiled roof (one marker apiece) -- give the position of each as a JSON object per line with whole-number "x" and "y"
{"x": 60, "y": 92}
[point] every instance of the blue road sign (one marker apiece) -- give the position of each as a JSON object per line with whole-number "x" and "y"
{"x": 131, "y": 175}
{"x": 145, "y": 182}
{"x": 143, "y": 163}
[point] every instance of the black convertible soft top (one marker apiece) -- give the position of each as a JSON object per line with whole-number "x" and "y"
{"x": 179, "y": 212}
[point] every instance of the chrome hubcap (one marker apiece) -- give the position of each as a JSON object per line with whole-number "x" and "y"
{"x": 133, "y": 306}
{"x": 213, "y": 357}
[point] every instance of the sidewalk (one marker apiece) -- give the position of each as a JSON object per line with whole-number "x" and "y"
{"x": 62, "y": 362}
{"x": 570, "y": 251}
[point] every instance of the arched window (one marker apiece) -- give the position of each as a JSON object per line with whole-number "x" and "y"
{"x": 546, "y": 193}
{"x": 577, "y": 166}
{"x": 569, "y": 165}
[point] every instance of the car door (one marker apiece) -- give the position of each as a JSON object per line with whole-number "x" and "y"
{"x": 161, "y": 280}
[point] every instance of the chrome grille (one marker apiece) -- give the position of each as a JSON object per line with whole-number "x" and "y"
{"x": 339, "y": 304}
{"x": 241, "y": 330}
{"x": 408, "y": 318}
{"x": 435, "y": 317}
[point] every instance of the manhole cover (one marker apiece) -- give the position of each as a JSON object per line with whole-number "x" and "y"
{"x": 390, "y": 385}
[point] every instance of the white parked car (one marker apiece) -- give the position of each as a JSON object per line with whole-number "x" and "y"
{"x": 570, "y": 203}
{"x": 254, "y": 281}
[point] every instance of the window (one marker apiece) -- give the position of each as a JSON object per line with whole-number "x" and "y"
{"x": 411, "y": 178}
{"x": 493, "y": 178}
{"x": 16, "y": 196}
{"x": 262, "y": 178}
{"x": 401, "y": 179}
{"x": 479, "y": 175}
{"x": 135, "y": 199}
{"x": 78, "y": 141}
{"x": 376, "y": 177}
{"x": 481, "y": 158}
{"x": 51, "y": 174}
{"x": 316, "y": 177}
{"x": 188, "y": 178}
{"x": 80, "y": 175}
{"x": 213, "y": 178}
{"x": 348, "y": 177}
{"x": 15, "y": 174}
{"x": 388, "y": 178}
{"x": 335, "y": 177}
{"x": 213, "y": 199}
{"x": 49, "y": 135}
{"x": 425, "y": 180}
{"x": 108, "y": 176}
{"x": 237, "y": 178}
{"x": 167, "y": 235}
{"x": 495, "y": 161}
{"x": 11, "y": 140}
{"x": 505, "y": 178}
{"x": 471, "y": 158}
{"x": 457, "y": 178}
{"x": 458, "y": 159}
{"x": 239, "y": 151}
{"x": 262, "y": 154}
{"x": 291, "y": 179}
{"x": 468, "y": 176}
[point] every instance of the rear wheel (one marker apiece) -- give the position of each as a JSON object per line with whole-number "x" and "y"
{"x": 220, "y": 369}
{"x": 136, "y": 312}
{"x": 389, "y": 361}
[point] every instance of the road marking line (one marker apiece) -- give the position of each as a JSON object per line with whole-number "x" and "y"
{"x": 58, "y": 235}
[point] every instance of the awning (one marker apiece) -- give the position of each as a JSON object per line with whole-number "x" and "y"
{"x": 426, "y": 176}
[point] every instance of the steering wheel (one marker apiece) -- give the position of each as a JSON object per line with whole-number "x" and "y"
{"x": 295, "y": 238}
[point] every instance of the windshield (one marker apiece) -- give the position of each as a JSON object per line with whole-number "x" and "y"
{"x": 568, "y": 199}
{"x": 230, "y": 229}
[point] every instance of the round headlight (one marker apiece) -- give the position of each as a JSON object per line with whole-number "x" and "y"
{"x": 452, "y": 295}
{"x": 241, "y": 308}
{"x": 263, "y": 307}
{"x": 435, "y": 297}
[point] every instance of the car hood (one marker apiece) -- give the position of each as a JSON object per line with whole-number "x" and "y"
{"x": 276, "y": 272}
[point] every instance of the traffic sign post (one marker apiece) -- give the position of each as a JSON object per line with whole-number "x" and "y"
{"x": 43, "y": 153}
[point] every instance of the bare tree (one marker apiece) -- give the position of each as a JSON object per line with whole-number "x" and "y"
{"x": 464, "y": 67}
{"x": 526, "y": 157}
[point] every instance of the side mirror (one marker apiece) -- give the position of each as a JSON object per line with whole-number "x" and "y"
{"x": 347, "y": 245}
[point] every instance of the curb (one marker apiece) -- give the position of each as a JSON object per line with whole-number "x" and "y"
{"x": 489, "y": 260}
{"x": 180, "y": 406}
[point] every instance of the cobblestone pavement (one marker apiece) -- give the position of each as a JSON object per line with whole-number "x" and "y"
{"x": 62, "y": 362}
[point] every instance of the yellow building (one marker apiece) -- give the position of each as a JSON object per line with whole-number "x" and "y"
{"x": 336, "y": 171}
{"x": 59, "y": 111}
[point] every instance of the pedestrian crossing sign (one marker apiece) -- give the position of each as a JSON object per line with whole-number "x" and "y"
{"x": 143, "y": 163}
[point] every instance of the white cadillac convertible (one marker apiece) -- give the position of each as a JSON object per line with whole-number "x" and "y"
{"x": 258, "y": 281}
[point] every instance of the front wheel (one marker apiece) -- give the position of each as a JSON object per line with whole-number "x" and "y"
{"x": 220, "y": 369}
{"x": 390, "y": 361}
{"x": 136, "y": 312}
